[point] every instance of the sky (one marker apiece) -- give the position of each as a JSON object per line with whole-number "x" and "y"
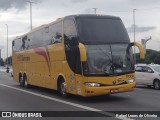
{"x": 16, "y": 14}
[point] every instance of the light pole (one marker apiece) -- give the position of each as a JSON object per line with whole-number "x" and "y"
{"x": 7, "y": 70}
{"x": 95, "y": 10}
{"x": 0, "y": 53}
{"x": 134, "y": 30}
{"x": 30, "y": 13}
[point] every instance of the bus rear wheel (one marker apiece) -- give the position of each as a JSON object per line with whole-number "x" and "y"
{"x": 21, "y": 81}
{"x": 25, "y": 82}
{"x": 62, "y": 88}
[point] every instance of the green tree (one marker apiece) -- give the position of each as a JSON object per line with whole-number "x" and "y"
{"x": 150, "y": 57}
{"x": 157, "y": 59}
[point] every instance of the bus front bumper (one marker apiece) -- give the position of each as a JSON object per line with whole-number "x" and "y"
{"x": 96, "y": 91}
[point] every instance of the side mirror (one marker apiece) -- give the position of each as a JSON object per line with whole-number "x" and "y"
{"x": 142, "y": 54}
{"x": 150, "y": 71}
{"x": 82, "y": 49}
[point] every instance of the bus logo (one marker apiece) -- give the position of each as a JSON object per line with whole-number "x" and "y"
{"x": 114, "y": 82}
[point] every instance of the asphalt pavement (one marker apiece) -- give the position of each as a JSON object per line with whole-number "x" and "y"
{"x": 15, "y": 98}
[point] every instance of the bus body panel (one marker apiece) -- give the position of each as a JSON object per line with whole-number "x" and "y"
{"x": 107, "y": 82}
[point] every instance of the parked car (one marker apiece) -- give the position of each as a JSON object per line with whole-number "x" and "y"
{"x": 148, "y": 75}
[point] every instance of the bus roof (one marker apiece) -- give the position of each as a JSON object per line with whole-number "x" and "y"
{"x": 92, "y": 16}
{"x": 71, "y": 16}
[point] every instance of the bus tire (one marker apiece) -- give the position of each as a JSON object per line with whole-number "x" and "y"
{"x": 62, "y": 88}
{"x": 156, "y": 84}
{"x": 21, "y": 81}
{"x": 26, "y": 85}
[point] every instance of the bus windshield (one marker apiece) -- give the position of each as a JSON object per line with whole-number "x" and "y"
{"x": 109, "y": 59}
{"x": 106, "y": 41}
{"x": 101, "y": 30}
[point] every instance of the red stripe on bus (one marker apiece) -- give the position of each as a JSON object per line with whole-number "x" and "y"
{"x": 42, "y": 52}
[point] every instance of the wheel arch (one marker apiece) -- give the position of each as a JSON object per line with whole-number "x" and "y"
{"x": 156, "y": 79}
{"x": 24, "y": 74}
{"x": 20, "y": 75}
{"x": 156, "y": 85}
{"x": 59, "y": 78}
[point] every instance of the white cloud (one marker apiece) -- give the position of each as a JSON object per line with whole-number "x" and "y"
{"x": 17, "y": 16}
{"x": 78, "y": 1}
{"x": 140, "y": 29}
{"x": 17, "y": 4}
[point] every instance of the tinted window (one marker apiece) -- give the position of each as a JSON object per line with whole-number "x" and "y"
{"x": 146, "y": 69}
{"x": 139, "y": 69}
{"x": 70, "y": 33}
{"x": 45, "y": 36}
{"x": 108, "y": 59}
{"x": 55, "y": 31}
{"x": 99, "y": 59}
{"x": 71, "y": 45}
{"x": 37, "y": 38}
{"x": 122, "y": 61}
{"x": 17, "y": 44}
{"x": 101, "y": 30}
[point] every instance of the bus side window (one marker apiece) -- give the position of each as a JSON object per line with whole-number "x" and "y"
{"x": 71, "y": 46}
{"x": 13, "y": 45}
{"x": 24, "y": 40}
{"x": 70, "y": 33}
{"x": 56, "y": 33}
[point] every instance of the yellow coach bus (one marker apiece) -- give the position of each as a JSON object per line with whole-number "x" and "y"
{"x": 86, "y": 55}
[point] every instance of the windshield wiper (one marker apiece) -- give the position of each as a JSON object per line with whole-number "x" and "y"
{"x": 113, "y": 74}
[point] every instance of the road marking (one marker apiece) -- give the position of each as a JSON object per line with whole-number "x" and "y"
{"x": 66, "y": 102}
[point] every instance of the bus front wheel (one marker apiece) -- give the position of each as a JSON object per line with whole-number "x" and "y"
{"x": 62, "y": 88}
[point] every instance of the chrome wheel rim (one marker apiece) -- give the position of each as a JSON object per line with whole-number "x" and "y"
{"x": 21, "y": 81}
{"x": 25, "y": 83}
{"x": 63, "y": 88}
{"x": 156, "y": 85}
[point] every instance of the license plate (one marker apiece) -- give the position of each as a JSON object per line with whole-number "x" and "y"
{"x": 113, "y": 90}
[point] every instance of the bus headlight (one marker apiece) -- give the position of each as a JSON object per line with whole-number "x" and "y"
{"x": 130, "y": 81}
{"x": 92, "y": 84}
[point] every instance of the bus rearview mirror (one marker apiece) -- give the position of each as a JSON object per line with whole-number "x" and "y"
{"x": 141, "y": 49}
{"x": 142, "y": 54}
{"x": 82, "y": 49}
